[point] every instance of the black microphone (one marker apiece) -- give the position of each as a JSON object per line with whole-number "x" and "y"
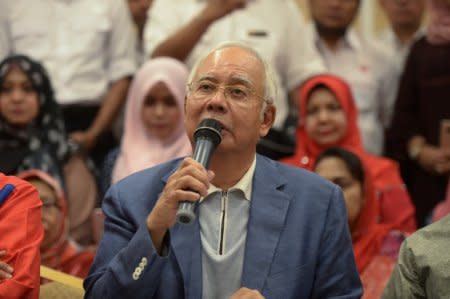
{"x": 207, "y": 137}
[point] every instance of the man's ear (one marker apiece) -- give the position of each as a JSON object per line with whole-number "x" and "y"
{"x": 267, "y": 119}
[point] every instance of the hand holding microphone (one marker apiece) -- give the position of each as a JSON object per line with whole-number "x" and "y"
{"x": 207, "y": 138}
{"x": 186, "y": 185}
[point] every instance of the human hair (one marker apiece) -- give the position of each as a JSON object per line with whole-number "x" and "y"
{"x": 270, "y": 85}
{"x": 351, "y": 161}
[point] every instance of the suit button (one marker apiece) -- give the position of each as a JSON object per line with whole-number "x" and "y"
{"x": 144, "y": 261}
{"x": 135, "y": 276}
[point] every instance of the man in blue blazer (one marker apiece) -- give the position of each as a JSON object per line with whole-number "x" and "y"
{"x": 263, "y": 229}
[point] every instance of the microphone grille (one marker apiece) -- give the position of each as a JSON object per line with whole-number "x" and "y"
{"x": 209, "y": 128}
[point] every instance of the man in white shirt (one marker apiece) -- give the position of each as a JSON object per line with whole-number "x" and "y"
{"x": 88, "y": 48}
{"x": 187, "y": 29}
{"x": 139, "y": 9}
{"x": 364, "y": 65}
{"x": 405, "y": 18}
{"x": 3, "y": 33}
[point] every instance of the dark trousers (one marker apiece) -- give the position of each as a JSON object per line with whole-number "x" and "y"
{"x": 80, "y": 118}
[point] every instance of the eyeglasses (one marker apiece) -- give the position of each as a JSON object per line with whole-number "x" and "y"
{"x": 238, "y": 94}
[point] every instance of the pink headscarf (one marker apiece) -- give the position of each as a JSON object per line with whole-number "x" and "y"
{"x": 140, "y": 150}
{"x": 438, "y": 31}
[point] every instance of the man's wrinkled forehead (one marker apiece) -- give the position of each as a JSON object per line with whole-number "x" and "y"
{"x": 229, "y": 62}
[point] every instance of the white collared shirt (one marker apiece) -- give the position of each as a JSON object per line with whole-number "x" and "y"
{"x": 84, "y": 45}
{"x": 223, "y": 217}
{"x": 274, "y": 28}
{"x": 373, "y": 79}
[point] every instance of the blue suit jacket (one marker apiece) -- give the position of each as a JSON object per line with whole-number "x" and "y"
{"x": 298, "y": 244}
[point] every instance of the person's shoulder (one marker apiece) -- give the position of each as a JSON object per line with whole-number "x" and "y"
{"x": 297, "y": 178}
{"x": 434, "y": 233}
{"x": 427, "y": 249}
{"x": 16, "y": 192}
{"x": 381, "y": 163}
{"x": 149, "y": 175}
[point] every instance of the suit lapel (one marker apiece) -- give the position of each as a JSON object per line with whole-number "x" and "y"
{"x": 186, "y": 246}
{"x": 268, "y": 210}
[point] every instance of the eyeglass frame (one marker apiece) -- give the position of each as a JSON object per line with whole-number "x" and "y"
{"x": 251, "y": 91}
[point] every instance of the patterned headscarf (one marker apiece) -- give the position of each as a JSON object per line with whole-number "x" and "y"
{"x": 43, "y": 143}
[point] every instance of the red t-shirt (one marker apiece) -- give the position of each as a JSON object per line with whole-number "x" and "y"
{"x": 21, "y": 235}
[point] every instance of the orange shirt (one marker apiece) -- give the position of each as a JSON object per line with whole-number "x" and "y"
{"x": 21, "y": 233}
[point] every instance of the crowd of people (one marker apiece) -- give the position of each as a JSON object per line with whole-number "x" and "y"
{"x": 99, "y": 102}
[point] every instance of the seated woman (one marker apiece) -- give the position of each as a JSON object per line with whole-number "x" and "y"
{"x": 58, "y": 250}
{"x": 21, "y": 234}
{"x": 375, "y": 245}
{"x": 32, "y": 136}
{"x": 154, "y": 120}
{"x": 328, "y": 118}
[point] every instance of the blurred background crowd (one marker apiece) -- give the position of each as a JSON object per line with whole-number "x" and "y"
{"x": 93, "y": 91}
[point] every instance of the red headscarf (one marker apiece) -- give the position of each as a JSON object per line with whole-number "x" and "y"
{"x": 384, "y": 173}
{"x": 307, "y": 149}
{"x": 368, "y": 234}
{"x": 64, "y": 255}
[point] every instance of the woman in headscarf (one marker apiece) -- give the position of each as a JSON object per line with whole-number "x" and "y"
{"x": 328, "y": 118}
{"x": 375, "y": 245}
{"x": 32, "y": 136}
{"x": 154, "y": 119}
{"x": 58, "y": 250}
{"x": 32, "y": 132}
{"x": 418, "y": 136}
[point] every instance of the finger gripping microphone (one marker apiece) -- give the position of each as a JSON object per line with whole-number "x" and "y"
{"x": 207, "y": 137}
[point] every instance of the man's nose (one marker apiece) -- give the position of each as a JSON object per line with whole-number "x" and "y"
{"x": 218, "y": 101}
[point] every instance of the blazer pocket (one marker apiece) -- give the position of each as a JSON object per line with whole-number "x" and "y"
{"x": 293, "y": 282}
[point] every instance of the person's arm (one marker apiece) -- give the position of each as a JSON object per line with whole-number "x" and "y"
{"x": 123, "y": 247}
{"x": 22, "y": 233}
{"x": 404, "y": 281}
{"x": 126, "y": 244}
{"x": 433, "y": 159}
{"x": 404, "y": 124}
{"x": 5, "y": 43}
{"x": 387, "y": 88}
{"x": 120, "y": 56}
{"x": 179, "y": 44}
{"x": 301, "y": 59}
{"x": 336, "y": 275}
{"x": 110, "y": 107}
